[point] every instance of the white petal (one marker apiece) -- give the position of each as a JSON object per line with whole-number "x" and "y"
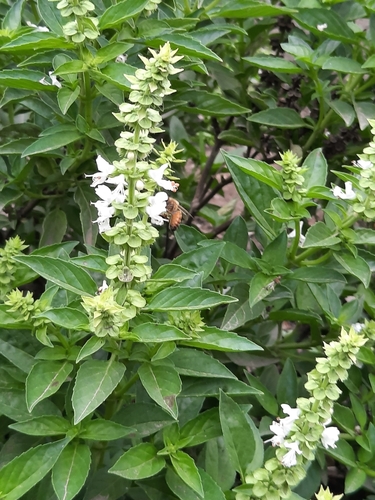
{"x": 104, "y": 193}
{"x": 104, "y": 166}
{"x": 364, "y": 164}
{"x": 329, "y": 437}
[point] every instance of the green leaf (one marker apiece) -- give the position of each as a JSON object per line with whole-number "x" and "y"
{"x": 17, "y": 357}
{"x": 315, "y": 166}
{"x": 173, "y": 273}
{"x": 317, "y": 275}
{"x": 209, "y": 104}
{"x": 116, "y": 73}
{"x": 274, "y": 64}
{"x": 35, "y": 41}
{"x": 54, "y": 227}
{"x": 202, "y": 428}
{"x": 153, "y": 332}
{"x": 217, "y": 464}
{"x": 162, "y": 384}
{"x": 12, "y": 19}
{"x": 144, "y": 418}
{"x": 256, "y": 196}
{"x": 250, "y": 8}
{"x": 103, "y": 430}
{"x": 364, "y": 236}
{"x": 202, "y": 259}
{"x": 71, "y": 470}
{"x": 287, "y": 384}
{"x": 70, "y": 67}
{"x": 185, "y": 467}
{"x": 66, "y": 97}
{"x": 354, "y": 480}
{"x": 355, "y": 266}
{"x": 344, "y": 110}
{"x": 242, "y": 439}
{"x": 44, "y": 379}
{"x": 257, "y": 169}
{"x": 183, "y": 299}
{"x": 43, "y": 426}
{"x": 139, "y": 462}
{"x": 337, "y": 28}
{"x": 62, "y": 273}
{"x": 120, "y": 12}
{"x": 92, "y": 345}
{"x": 240, "y": 313}
{"x": 261, "y": 285}
{"x": 279, "y": 118}
{"x": 344, "y": 453}
{"x": 13, "y": 406}
{"x": 221, "y": 340}
{"x": 95, "y": 381}
{"x": 73, "y": 319}
{"x": 211, "y": 387}
{"x": 320, "y": 236}
{"x": 23, "y": 472}
{"x": 186, "y": 45}
{"x": 111, "y": 51}
{"x": 195, "y": 363}
{"x": 211, "y": 491}
{"x": 83, "y": 196}
{"x": 267, "y": 400}
{"x": 52, "y": 142}
{"x": 343, "y": 65}
{"x": 51, "y": 16}
{"x": 23, "y": 79}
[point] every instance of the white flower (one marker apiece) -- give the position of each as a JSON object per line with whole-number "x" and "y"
{"x": 348, "y": 194}
{"x": 322, "y": 27}
{"x": 38, "y": 28}
{"x": 357, "y": 327}
{"x": 139, "y": 185}
{"x": 282, "y": 427}
{"x": 363, "y": 164}
{"x": 108, "y": 196}
{"x": 157, "y": 206}
{"x": 329, "y": 437}
{"x": 103, "y": 287}
{"x": 290, "y": 458}
{"x": 279, "y": 430}
{"x": 104, "y": 214}
{"x": 121, "y": 58}
{"x": 54, "y": 80}
{"x": 105, "y": 169}
{"x": 302, "y": 238}
{"x": 157, "y": 176}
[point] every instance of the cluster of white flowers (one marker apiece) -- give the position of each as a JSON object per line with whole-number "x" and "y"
{"x": 282, "y": 427}
{"x": 348, "y": 193}
{"x": 106, "y": 205}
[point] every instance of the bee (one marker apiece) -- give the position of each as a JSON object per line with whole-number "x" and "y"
{"x": 175, "y": 213}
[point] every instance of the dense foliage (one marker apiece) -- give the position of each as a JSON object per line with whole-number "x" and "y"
{"x": 153, "y": 344}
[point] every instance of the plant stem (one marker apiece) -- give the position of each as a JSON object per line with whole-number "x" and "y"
{"x": 319, "y": 260}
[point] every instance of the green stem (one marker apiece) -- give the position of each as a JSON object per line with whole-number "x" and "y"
{"x": 187, "y": 9}
{"x": 87, "y": 97}
{"x": 317, "y": 261}
{"x": 212, "y": 5}
{"x": 64, "y": 342}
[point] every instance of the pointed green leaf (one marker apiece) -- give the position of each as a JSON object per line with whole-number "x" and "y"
{"x": 44, "y": 379}
{"x": 242, "y": 439}
{"x": 62, "y": 273}
{"x": 71, "y": 470}
{"x": 163, "y": 385}
{"x": 43, "y": 426}
{"x": 95, "y": 381}
{"x": 319, "y": 235}
{"x": 139, "y": 462}
{"x": 104, "y": 430}
{"x": 355, "y": 266}
{"x": 221, "y": 340}
{"x": 51, "y": 142}
{"x": 92, "y": 345}
{"x": 185, "y": 467}
{"x": 187, "y": 299}
{"x": 23, "y": 472}
{"x": 193, "y": 363}
{"x": 120, "y": 12}
{"x": 153, "y": 332}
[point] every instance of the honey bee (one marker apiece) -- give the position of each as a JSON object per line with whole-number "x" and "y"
{"x": 175, "y": 213}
